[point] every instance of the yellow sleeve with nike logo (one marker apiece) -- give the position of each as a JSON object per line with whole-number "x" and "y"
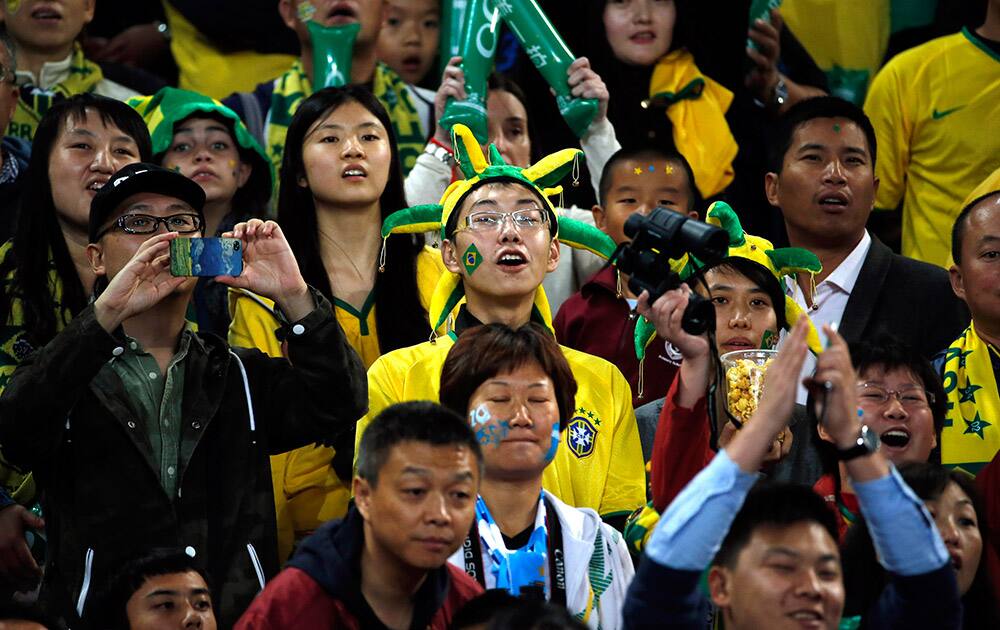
{"x": 935, "y": 109}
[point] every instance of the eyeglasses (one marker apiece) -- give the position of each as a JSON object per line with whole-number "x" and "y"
{"x": 908, "y": 397}
{"x": 526, "y": 220}
{"x": 146, "y": 224}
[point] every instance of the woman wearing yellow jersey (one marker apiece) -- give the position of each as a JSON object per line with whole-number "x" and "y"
{"x": 340, "y": 178}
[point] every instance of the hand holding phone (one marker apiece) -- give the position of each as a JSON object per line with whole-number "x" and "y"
{"x": 206, "y": 257}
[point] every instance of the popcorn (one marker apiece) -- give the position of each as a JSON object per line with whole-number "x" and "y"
{"x": 744, "y": 385}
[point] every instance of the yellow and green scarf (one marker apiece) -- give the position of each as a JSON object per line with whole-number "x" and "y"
{"x": 971, "y": 434}
{"x": 291, "y": 88}
{"x": 696, "y": 106}
{"x": 84, "y": 75}
{"x": 14, "y": 347}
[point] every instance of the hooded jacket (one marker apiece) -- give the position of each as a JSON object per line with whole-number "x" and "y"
{"x": 598, "y": 566}
{"x": 103, "y": 500}
{"x": 321, "y": 587}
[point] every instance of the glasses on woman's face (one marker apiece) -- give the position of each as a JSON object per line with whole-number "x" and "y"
{"x": 526, "y": 220}
{"x": 146, "y": 224}
{"x": 912, "y": 397}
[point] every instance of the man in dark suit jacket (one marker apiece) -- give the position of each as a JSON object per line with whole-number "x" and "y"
{"x": 822, "y": 177}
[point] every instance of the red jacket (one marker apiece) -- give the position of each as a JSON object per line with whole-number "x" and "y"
{"x": 681, "y": 448}
{"x": 596, "y": 321}
{"x": 321, "y": 588}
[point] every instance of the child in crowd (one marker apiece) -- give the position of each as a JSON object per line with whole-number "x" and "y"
{"x": 408, "y": 41}
{"x": 599, "y": 318}
{"x": 51, "y": 63}
{"x": 204, "y": 140}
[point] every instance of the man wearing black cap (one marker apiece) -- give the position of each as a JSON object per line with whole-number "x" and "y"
{"x": 143, "y": 433}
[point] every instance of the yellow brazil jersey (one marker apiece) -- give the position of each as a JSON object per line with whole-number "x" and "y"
{"x": 936, "y": 112}
{"x": 307, "y": 492}
{"x": 846, "y": 38}
{"x": 599, "y": 464}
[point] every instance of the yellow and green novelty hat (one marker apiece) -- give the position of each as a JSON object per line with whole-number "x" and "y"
{"x": 169, "y": 106}
{"x": 542, "y": 177}
{"x": 782, "y": 262}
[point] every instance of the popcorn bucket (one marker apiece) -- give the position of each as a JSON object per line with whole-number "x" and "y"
{"x": 745, "y": 371}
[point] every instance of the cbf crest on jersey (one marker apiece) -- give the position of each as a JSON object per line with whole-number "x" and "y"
{"x": 581, "y": 432}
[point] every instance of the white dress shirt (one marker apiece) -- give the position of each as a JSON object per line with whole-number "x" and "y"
{"x": 830, "y": 300}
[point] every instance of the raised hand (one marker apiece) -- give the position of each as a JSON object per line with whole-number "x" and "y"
{"x": 452, "y": 86}
{"x": 140, "y": 285}
{"x": 666, "y": 314}
{"x": 585, "y": 83}
{"x": 756, "y": 439}
{"x": 270, "y": 268}
{"x": 763, "y": 77}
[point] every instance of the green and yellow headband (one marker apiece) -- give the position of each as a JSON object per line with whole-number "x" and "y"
{"x": 163, "y": 110}
{"x": 542, "y": 177}
{"x": 782, "y": 262}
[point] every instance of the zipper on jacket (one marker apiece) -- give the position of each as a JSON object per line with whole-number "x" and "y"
{"x": 255, "y": 561}
{"x": 88, "y": 566}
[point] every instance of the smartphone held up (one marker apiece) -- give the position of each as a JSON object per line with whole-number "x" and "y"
{"x": 207, "y": 257}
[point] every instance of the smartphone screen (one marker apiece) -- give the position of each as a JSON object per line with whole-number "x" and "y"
{"x": 206, "y": 257}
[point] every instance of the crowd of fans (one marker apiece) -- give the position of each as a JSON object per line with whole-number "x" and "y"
{"x": 430, "y": 397}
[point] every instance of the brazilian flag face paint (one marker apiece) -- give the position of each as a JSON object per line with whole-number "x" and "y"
{"x": 472, "y": 259}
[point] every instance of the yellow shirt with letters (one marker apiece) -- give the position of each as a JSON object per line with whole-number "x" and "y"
{"x": 936, "y": 112}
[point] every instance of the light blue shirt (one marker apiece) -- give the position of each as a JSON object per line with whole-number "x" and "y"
{"x": 905, "y": 536}
{"x": 693, "y": 527}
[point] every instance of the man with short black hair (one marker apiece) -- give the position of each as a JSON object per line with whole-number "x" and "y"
{"x": 385, "y": 564}
{"x": 143, "y": 433}
{"x": 772, "y": 551}
{"x": 822, "y": 177}
{"x": 165, "y": 588}
{"x": 970, "y": 365}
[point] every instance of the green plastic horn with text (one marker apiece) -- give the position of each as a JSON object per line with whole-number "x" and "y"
{"x": 333, "y": 47}
{"x": 477, "y": 47}
{"x": 551, "y": 57}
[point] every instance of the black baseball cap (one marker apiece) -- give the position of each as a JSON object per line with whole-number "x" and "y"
{"x": 142, "y": 178}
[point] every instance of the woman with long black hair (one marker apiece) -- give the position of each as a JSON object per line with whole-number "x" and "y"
{"x": 340, "y": 177}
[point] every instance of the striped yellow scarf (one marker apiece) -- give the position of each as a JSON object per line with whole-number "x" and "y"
{"x": 84, "y": 75}
{"x": 971, "y": 434}
{"x": 291, "y": 88}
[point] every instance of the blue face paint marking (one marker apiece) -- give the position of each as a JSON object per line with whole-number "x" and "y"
{"x": 553, "y": 445}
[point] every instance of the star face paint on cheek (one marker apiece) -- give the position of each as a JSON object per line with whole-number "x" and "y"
{"x": 13, "y": 6}
{"x": 175, "y": 168}
{"x": 836, "y": 128}
{"x": 637, "y": 171}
